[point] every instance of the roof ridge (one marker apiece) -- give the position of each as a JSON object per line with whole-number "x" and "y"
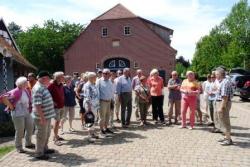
{"x": 111, "y": 15}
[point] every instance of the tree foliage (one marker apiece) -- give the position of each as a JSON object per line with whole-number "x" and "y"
{"x": 14, "y": 29}
{"x": 44, "y": 45}
{"x": 182, "y": 65}
{"x": 227, "y": 44}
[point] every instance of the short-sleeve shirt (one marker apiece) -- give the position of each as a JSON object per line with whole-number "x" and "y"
{"x": 91, "y": 95}
{"x": 156, "y": 86}
{"x": 174, "y": 94}
{"x": 57, "y": 93}
{"x": 190, "y": 85}
{"x": 41, "y": 96}
{"x": 143, "y": 90}
{"x": 225, "y": 89}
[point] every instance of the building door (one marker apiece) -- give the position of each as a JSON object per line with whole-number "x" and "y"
{"x": 117, "y": 63}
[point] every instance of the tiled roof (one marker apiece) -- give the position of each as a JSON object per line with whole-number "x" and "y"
{"x": 117, "y": 12}
{"x": 15, "y": 54}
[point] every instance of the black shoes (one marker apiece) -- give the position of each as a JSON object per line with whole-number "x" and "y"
{"x": 227, "y": 142}
{"x": 49, "y": 151}
{"x": 32, "y": 146}
{"x": 109, "y": 131}
{"x": 42, "y": 157}
{"x": 21, "y": 151}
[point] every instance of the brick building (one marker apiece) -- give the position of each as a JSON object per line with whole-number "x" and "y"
{"x": 117, "y": 39}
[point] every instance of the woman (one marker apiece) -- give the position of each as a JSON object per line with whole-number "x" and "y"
{"x": 91, "y": 101}
{"x": 190, "y": 90}
{"x": 143, "y": 94}
{"x": 80, "y": 95}
{"x": 155, "y": 83}
{"x": 69, "y": 102}
{"x": 21, "y": 101}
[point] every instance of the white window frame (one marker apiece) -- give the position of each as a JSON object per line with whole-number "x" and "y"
{"x": 103, "y": 33}
{"x": 124, "y": 30}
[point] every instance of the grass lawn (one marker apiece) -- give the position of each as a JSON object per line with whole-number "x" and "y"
{"x": 5, "y": 150}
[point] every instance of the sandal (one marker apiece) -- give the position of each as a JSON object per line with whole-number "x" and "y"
{"x": 57, "y": 142}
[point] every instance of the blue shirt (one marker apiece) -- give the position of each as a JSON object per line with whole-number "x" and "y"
{"x": 69, "y": 96}
{"x": 123, "y": 85}
{"x": 105, "y": 88}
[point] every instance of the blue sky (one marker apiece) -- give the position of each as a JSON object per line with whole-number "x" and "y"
{"x": 190, "y": 19}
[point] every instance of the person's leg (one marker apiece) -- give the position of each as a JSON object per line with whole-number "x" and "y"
{"x": 217, "y": 123}
{"x": 192, "y": 105}
{"x": 111, "y": 120}
{"x": 47, "y": 134}
{"x": 144, "y": 112}
{"x": 28, "y": 129}
{"x": 198, "y": 109}
{"x": 154, "y": 108}
{"x": 64, "y": 118}
{"x": 71, "y": 116}
{"x": 160, "y": 108}
{"x": 82, "y": 111}
{"x": 177, "y": 105}
{"x": 170, "y": 110}
{"x": 117, "y": 106}
{"x": 41, "y": 135}
{"x": 211, "y": 110}
{"x": 102, "y": 111}
{"x": 129, "y": 108}
{"x": 136, "y": 101}
{"x": 59, "y": 114}
{"x": 19, "y": 131}
{"x": 123, "y": 108}
{"x": 107, "y": 115}
{"x": 184, "y": 107}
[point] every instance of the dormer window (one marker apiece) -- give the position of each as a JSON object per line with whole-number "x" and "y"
{"x": 104, "y": 32}
{"x": 127, "y": 30}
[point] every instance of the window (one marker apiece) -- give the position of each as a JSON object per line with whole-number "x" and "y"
{"x": 136, "y": 65}
{"x": 104, "y": 32}
{"x": 127, "y": 30}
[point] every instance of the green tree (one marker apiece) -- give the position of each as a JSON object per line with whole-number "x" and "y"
{"x": 44, "y": 45}
{"x": 14, "y": 29}
{"x": 227, "y": 44}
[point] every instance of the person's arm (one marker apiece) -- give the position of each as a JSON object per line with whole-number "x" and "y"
{"x": 225, "y": 93}
{"x": 118, "y": 89}
{"x": 38, "y": 109}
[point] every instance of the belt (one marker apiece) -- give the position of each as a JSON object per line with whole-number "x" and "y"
{"x": 218, "y": 100}
{"x": 105, "y": 100}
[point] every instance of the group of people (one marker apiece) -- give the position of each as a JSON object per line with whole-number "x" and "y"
{"x": 103, "y": 95}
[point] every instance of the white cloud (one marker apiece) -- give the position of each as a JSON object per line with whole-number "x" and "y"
{"x": 189, "y": 19}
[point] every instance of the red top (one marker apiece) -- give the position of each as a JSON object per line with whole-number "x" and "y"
{"x": 57, "y": 93}
{"x": 156, "y": 86}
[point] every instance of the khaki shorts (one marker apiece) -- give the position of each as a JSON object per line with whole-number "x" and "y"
{"x": 104, "y": 112}
{"x": 224, "y": 116}
{"x": 60, "y": 113}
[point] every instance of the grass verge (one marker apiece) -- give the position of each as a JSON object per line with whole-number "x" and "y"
{"x": 5, "y": 150}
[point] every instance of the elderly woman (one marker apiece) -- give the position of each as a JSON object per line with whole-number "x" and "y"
{"x": 190, "y": 89}
{"x": 155, "y": 83}
{"x": 21, "y": 101}
{"x": 69, "y": 103}
{"x": 91, "y": 101}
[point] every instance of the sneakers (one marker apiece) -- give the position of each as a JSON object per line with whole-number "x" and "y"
{"x": 182, "y": 127}
{"x": 71, "y": 130}
{"x": 191, "y": 128}
{"x": 21, "y": 151}
{"x": 32, "y": 146}
{"x": 227, "y": 142}
{"x": 103, "y": 133}
{"x": 109, "y": 131}
{"x": 221, "y": 140}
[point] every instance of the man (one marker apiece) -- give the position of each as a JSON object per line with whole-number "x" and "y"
{"x": 124, "y": 91}
{"x": 117, "y": 101}
{"x": 57, "y": 93}
{"x": 223, "y": 106}
{"x": 43, "y": 111}
{"x": 205, "y": 87}
{"x": 135, "y": 83}
{"x": 174, "y": 97}
{"x": 31, "y": 80}
{"x": 105, "y": 87}
{"x": 210, "y": 89}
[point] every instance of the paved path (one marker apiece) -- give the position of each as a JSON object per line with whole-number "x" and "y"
{"x": 150, "y": 146}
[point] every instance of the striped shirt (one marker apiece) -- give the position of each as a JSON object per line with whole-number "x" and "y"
{"x": 224, "y": 89}
{"x": 42, "y": 96}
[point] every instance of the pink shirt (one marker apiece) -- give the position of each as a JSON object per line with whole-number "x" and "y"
{"x": 155, "y": 85}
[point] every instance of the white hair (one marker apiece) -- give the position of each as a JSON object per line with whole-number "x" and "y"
{"x": 58, "y": 74}
{"x": 67, "y": 78}
{"x": 105, "y": 70}
{"x": 91, "y": 74}
{"x": 20, "y": 81}
{"x": 154, "y": 71}
{"x": 189, "y": 72}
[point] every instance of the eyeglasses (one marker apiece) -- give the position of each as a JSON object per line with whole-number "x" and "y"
{"x": 105, "y": 73}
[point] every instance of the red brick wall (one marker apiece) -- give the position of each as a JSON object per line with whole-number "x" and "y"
{"x": 143, "y": 46}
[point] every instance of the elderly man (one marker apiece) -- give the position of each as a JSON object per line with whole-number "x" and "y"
{"x": 117, "y": 101}
{"x": 57, "y": 93}
{"x": 223, "y": 106}
{"x": 105, "y": 87}
{"x": 124, "y": 91}
{"x": 135, "y": 83}
{"x": 174, "y": 96}
{"x": 43, "y": 112}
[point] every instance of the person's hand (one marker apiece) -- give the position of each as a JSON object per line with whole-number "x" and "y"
{"x": 43, "y": 121}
